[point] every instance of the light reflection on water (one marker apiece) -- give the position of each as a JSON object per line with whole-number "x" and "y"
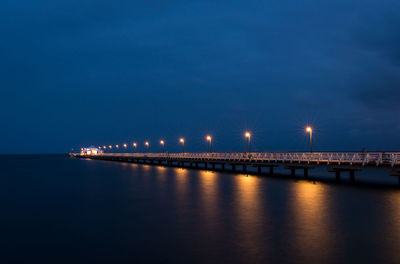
{"x": 250, "y": 216}
{"x": 311, "y": 221}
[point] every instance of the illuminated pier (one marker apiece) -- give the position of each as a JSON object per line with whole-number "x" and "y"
{"x": 336, "y": 162}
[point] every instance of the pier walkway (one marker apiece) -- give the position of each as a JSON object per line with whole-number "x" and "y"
{"x": 336, "y": 162}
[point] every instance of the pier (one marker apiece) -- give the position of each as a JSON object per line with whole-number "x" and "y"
{"x": 296, "y": 162}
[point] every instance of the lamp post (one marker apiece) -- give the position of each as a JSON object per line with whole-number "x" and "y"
{"x": 208, "y": 138}
{"x": 309, "y": 130}
{"x": 134, "y": 146}
{"x": 110, "y": 147}
{"x": 162, "y": 143}
{"x": 248, "y": 135}
{"x": 147, "y": 145}
{"x": 183, "y": 144}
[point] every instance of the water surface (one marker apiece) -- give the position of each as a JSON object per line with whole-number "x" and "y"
{"x": 60, "y": 210}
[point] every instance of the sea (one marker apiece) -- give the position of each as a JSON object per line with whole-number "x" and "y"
{"x": 57, "y": 209}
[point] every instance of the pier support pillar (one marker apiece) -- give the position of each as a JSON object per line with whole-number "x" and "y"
{"x": 352, "y": 176}
{"x": 259, "y": 170}
{"x": 271, "y": 170}
{"x": 223, "y": 166}
{"x": 338, "y": 175}
{"x": 293, "y": 172}
{"x": 213, "y": 166}
{"x": 233, "y": 167}
{"x": 196, "y": 165}
{"x": 305, "y": 172}
{"x": 244, "y": 168}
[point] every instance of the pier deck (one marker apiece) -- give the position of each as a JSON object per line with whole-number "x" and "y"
{"x": 336, "y": 162}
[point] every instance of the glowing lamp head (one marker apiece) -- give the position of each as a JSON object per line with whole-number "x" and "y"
{"x": 247, "y": 134}
{"x": 134, "y": 145}
{"x": 125, "y": 145}
{"x": 104, "y": 147}
{"x": 309, "y": 129}
{"x": 208, "y": 138}
{"x": 162, "y": 142}
{"x": 110, "y": 147}
{"x": 182, "y": 140}
{"x": 117, "y": 146}
{"x": 146, "y": 143}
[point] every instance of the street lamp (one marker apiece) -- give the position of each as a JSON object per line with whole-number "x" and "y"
{"x": 110, "y": 147}
{"x": 117, "y": 146}
{"x": 248, "y": 135}
{"x": 125, "y": 146}
{"x": 162, "y": 143}
{"x": 309, "y": 130}
{"x": 183, "y": 144}
{"x": 134, "y": 145}
{"x": 208, "y": 138}
{"x": 147, "y": 145}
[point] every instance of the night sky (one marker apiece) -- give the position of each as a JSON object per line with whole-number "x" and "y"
{"x": 80, "y": 73}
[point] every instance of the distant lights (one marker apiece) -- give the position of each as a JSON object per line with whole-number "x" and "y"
{"x": 247, "y": 134}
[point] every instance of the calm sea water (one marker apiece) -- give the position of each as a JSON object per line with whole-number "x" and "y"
{"x": 54, "y": 209}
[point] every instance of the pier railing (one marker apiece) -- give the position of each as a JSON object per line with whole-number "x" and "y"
{"x": 387, "y": 159}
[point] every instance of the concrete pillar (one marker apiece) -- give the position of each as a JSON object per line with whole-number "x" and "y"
{"x": 338, "y": 175}
{"x": 305, "y": 172}
{"x": 233, "y": 167}
{"x": 244, "y": 168}
{"x": 223, "y": 166}
{"x": 205, "y": 165}
{"x": 271, "y": 170}
{"x": 293, "y": 172}
{"x": 213, "y": 166}
{"x": 351, "y": 176}
{"x": 259, "y": 170}
{"x": 398, "y": 178}
{"x": 196, "y": 164}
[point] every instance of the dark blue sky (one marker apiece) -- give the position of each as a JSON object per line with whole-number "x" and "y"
{"x": 76, "y": 73}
